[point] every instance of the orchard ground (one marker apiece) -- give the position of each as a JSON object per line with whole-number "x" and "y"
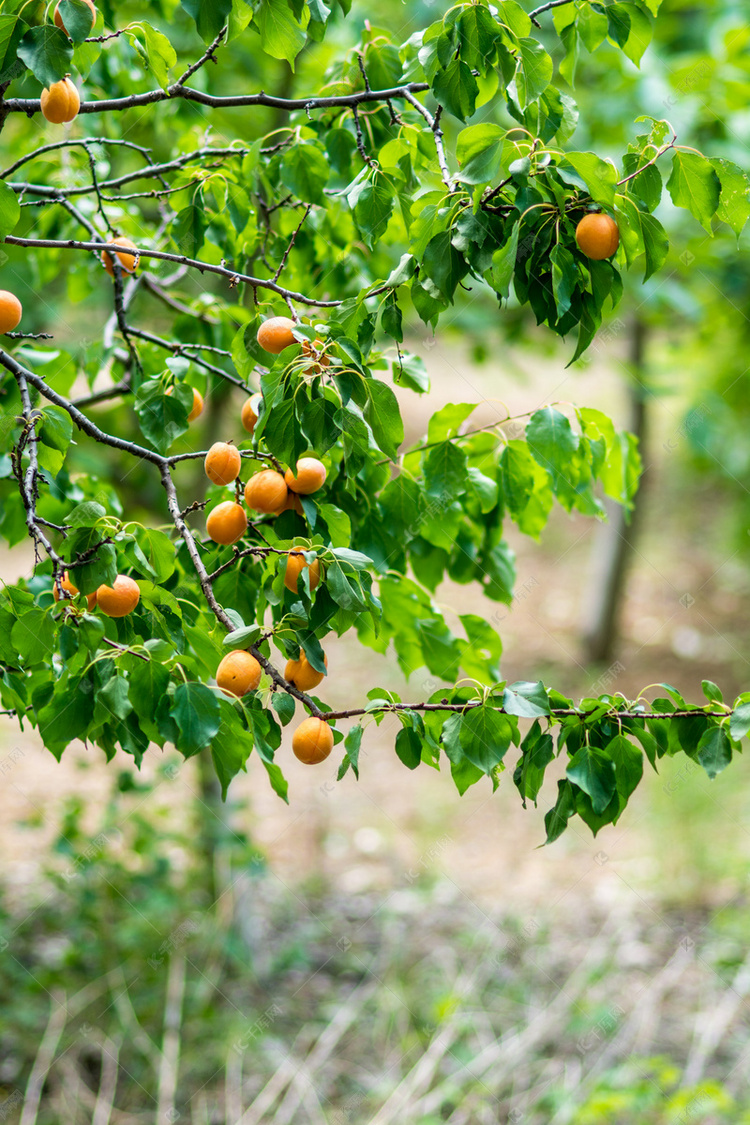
{"x": 397, "y": 833}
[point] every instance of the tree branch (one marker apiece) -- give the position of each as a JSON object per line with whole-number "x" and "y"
{"x": 30, "y": 106}
{"x": 180, "y": 259}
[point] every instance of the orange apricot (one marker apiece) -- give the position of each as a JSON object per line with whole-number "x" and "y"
{"x": 294, "y": 504}
{"x": 312, "y": 741}
{"x": 238, "y": 673}
{"x": 311, "y": 475}
{"x": 11, "y": 311}
{"x": 60, "y": 102}
{"x": 223, "y": 463}
{"x": 275, "y": 334}
{"x": 598, "y": 236}
{"x": 226, "y": 523}
{"x": 58, "y": 17}
{"x": 126, "y": 259}
{"x": 295, "y": 564}
{"x": 266, "y": 492}
{"x": 250, "y": 412}
{"x": 120, "y": 599}
{"x": 302, "y": 674}
{"x": 71, "y": 589}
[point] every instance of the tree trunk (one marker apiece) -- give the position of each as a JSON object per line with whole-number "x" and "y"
{"x": 614, "y": 540}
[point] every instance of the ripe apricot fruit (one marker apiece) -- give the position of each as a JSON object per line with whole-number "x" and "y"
{"x": 266, "y": 492}
{"x": 223, "y": 463}
{"x": 11, "y": 311}
{"x": 312, "y": 741}
{"x": 226, "y": 523}
{"x": 120, "y": 599}
{"x": 197, "y": 408}
{"x": 311, "y": 475}
{"x": 275, "y": 334}
{"x": 126, "y": 259}
{"x": 60, "y": 102}
{"x": 58, "y": 17}
{"x": 250, "y": 412}
{"x": 295, "y": 564}
{"x": 238, "y": 673}
{"x": 68, "y": 586}
{"x": 598, "y": 236}
{"x": 302, "y": 674}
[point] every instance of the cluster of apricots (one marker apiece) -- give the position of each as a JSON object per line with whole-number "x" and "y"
{"x": 239, "y": 672}
{"x": 117, "y": 600}
{"x": 270, "y": 493}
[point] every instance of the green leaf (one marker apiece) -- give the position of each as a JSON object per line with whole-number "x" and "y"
{"x": 33, "y": 637}
{"x": 159, "y": 54}
{"x": 78, "y": 19}
{"x": 242, "y": 638}
{"x": 65, "y": 717}
{"x": 445, "y": 472}
{"x": 196, "y": 711}
{"x": 694, "y": 185}
{"x": 593, "y": 772}
{"x": 500, "y": 565}
{"x": 446, "y": 422}
{"x": 304, "y": 170}
{"x": 210, "y": 16}
{"x": 383, "y": 417}
{"x": 712, "y": 692}
{"x": 628, "y": 760}
{"x": 112, "y": 700}
{"x": 504, "y": 263}
{"x": 714, "y": 751}
{"x": 538, "y": 751}
{"x": 47, "y": 52}
{"x": 618, "y": 23}
{"x": 280, "y": 34}
{"x": 485, "y": 736}
{"x": 284, "y": 706}
{"x": 148, "y": 686}
{"x": 479, "y": 151}
{"x": 456, "y": 89}
{"x": 87, "y": 514}
{"x": 231, "y": 746}
{"x": 641, "y": 32}
{"x": 739, "y": 724}
{"x": 12, "y": 30}
{"x": 564, "y": 277}
{"x": 478, "y": 34}
{"x": 527, "y": 699}
{"x": 598, "y": 176}
{"x": 372, "y": 204}
{"x": 734, "y": 204}
{"x": 189, "y": 228}
{"x": 409, "y": 747}
{"x": 556, "y": 820}
{"x": 162, "y": 417}
{"x": 352, "y": 744}
{"x": 10, "y": 209}
{"x": 535, "y": 71}
{"x": 55, "y": 433}
{"x": 443, "y": 264}
{"x": 552, "y": 443}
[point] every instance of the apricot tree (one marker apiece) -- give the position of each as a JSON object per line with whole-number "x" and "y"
{"x": 278, "y": 266}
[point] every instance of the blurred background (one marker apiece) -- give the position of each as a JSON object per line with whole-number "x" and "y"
{"x": 383, "y": 950}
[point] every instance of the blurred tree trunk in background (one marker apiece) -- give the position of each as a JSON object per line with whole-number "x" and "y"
{"x": 614, "y": 540}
